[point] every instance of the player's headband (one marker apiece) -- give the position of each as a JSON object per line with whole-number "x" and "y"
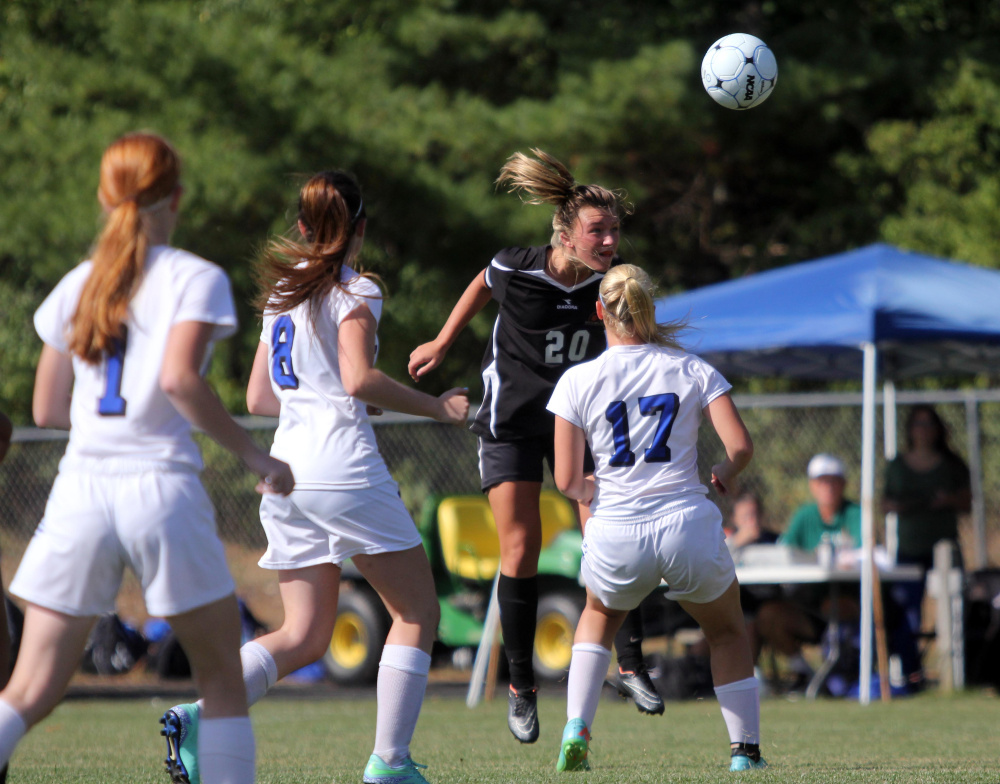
{"x": 157, "y": 204}
{"x": 357, "y": 215}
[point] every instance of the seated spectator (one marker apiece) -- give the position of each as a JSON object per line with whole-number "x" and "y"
{"x": 801, "y": 618}
{"x": 746, "y": 525}
{"x": 831, "y": 515}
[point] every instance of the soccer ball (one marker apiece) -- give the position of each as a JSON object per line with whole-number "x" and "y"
{"x": 739, "y": 71}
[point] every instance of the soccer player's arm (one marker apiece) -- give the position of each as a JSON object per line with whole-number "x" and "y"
{"x": 50, "y": 402}
{"x": 570, "y": 443}
{"x": 261, "y": 399}
{"x": 726, "y": 420}
{"x": 428, "y": 356}
{"x": 183, "y": 384}
{"x": 356, "y": 356}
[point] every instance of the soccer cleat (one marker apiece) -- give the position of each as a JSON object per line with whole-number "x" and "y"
{"x": 746, "y": 759}
{"x": 377, "y": 772}
{"x": 522, "y": 714}
{"x": 573, "y": 752}
{"x": 637, "y": 685}
{"x": 180, "y": 728}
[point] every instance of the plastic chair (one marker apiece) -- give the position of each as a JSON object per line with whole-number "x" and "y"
{"x": 469, "y": 543}
{"x": 558, "y": 515}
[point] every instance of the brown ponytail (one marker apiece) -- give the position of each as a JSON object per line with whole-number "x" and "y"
{"x": 290, "y": 273}
{"x": 138, "y": 172}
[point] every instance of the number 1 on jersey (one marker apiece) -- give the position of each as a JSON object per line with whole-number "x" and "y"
{"x": 282, "y": 335}
{"x": 665, "y": 405}
{"x": 111, "y": 402}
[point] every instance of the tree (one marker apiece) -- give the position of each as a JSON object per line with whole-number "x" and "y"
{"x": 425, "y": 99}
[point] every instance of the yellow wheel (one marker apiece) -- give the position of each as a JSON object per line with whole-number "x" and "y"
{"x": 358, "y": 636}
{"x": 558, "y": 614}
{"x": 350, "y": 643}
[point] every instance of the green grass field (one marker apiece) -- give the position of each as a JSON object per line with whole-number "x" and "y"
{"x": 929, "y": 738}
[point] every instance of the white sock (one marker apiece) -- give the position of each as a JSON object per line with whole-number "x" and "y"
{"x": 402, "y": 681}
{"x": 226, "y": 751}
{"x": 260, "y": 672}
{"x": 12, "y": 729}
{"x": 740, "y": 703}
{"x": 587, "y": 670}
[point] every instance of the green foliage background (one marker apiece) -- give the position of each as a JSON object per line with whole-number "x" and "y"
{"x": 885, "y": 125}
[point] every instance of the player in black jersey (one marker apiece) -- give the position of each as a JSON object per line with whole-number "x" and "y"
{"x": 547, "y": 322}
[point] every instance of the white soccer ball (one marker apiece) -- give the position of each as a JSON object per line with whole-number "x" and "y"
{"x": 739, "y": 71}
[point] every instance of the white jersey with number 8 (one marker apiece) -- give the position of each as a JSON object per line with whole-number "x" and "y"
{"x": 118, "y": 409}
{"x": 323, "y": 433}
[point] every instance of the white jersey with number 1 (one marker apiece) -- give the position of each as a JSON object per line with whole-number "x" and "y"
{"x": 323, "y": 433}
{"x": 640, "y": 407}
{"x": 118, "y": 408}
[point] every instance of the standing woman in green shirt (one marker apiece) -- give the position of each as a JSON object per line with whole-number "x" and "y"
{"x": 928, "y": 487}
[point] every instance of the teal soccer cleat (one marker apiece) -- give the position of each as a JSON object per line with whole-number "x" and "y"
{"x": 575, "y": 742}
{"x": 180, "y": 728}
{"x": 740, "y": 761}
{"x": 377, "y": 772}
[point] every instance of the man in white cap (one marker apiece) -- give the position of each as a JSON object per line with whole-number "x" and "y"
{"x": 785, "y": 624}
{"x": 830, "y": 514}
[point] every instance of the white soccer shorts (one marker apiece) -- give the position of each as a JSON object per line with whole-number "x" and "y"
{"x": 158, "y": 523}
{"x": 684, "y": 547}
{"x": 312, "y": 527}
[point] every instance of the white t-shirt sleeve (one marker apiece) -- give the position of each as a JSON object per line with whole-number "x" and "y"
{"x": 356, "y": 292}
{"x": 52, "y": 319}
{"x": 207, "y": 297}
{"x": 563, "y": 402}
{"x": 711, "y": 382}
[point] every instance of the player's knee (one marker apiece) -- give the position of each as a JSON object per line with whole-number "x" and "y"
{"x": 425, "y": 615}
{"x": 520, "y": 558}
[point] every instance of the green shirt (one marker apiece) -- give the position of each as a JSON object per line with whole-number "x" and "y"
{"x": 920, "y": 524}
{"x": 807, "y": 527}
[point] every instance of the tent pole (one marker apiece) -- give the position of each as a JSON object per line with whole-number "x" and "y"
{"x": 890, "y": 445}
{"x": 976, "y": 480}
{"x": 867, "y": 518}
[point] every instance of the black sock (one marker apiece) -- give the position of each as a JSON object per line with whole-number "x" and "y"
{"x": 628, "y": 642}
{"x": 751, "y": 750}
{"x": 518, "y": 598}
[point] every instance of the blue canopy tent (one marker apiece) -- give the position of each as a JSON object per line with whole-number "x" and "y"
{"x": 878, "y": 309}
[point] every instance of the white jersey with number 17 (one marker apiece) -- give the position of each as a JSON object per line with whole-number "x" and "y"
{"x": 118, "y": 409}
{"x": 640, "y": 407}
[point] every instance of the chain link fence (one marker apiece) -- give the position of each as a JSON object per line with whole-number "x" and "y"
{"x": 429, "y": 458}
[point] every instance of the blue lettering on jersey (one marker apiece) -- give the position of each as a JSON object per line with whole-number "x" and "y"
{"x": 282, "y": 335}
{"x": 112, "y": 403}
{"x": 617, "y": 415}
{"x": 665, "y": 405}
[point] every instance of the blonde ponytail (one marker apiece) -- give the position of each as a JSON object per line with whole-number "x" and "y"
{"x": 545, "y": 180}
{"x": 630, "y": 310}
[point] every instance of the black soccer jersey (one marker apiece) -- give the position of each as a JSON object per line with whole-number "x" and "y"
{"x": 543, "y": 327}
